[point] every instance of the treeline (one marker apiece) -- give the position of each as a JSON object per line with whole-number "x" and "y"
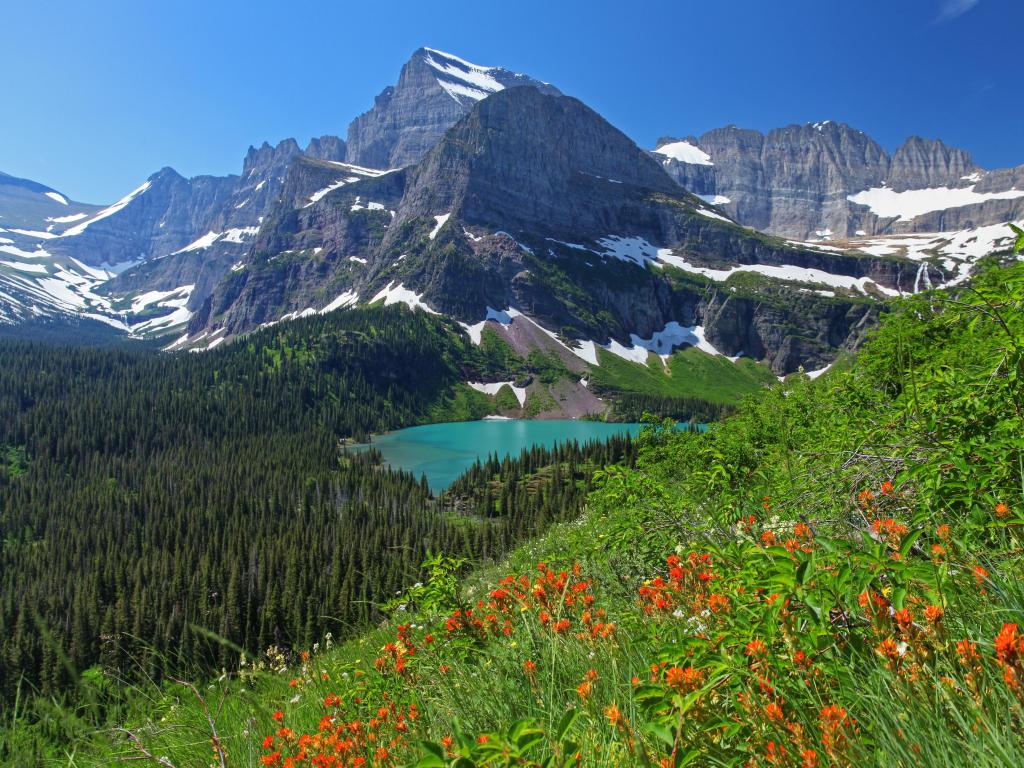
{"x": 542, "y": 486}
{"x": 632, "y": 407}
{"x": 142, "y": 494}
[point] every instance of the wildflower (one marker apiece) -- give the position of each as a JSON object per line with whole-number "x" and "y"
{"x": 891, "y": 651}
{"x": 447, "y": 742}
{"x": 278, "y": 716}
{"x": 1008, "y": 644}
{"x": 1002, "y": 511}
{"x": 980, "y": 574}
{"x": 834, "y": 723}
{"x": 904, "y": 618}
{"x": 268, "y": 742}
{"x": 483, "y": 738}
{"x": 584, "y": 689}
{"x": 756, "y": 649}
{"x": 613, "y": 714}
{"x": 942, "y": 532}
{"x": 967, "y": 651}
{"x": 773, "y": 712}
{"x": 274, "y": 758}
{"x": 887, "y": 487}
{"x": 809, "y": 759}
{"x": 530, "y": 668}
{"x": 934, "y": 613}
{"x": 718, "y": 603}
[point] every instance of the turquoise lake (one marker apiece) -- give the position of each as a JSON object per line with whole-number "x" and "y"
{"x": 442, "y": 452}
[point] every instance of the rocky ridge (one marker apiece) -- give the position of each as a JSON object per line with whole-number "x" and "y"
{"x": 828, "y": 180}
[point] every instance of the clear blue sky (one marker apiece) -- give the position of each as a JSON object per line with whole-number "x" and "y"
{"x": 98, "y": 95}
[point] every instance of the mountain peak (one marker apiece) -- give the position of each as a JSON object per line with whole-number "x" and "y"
{"x": 523, "y": 157}
{"x": 434, "y": 90}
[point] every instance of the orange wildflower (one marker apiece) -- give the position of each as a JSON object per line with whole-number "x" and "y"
{"x": 1008, "y": 644}
{"x": 934, "y": 613}
{"x": 756, "y": 649}
{"x": 967, "y": 651}
{"x": 613, "y": 714}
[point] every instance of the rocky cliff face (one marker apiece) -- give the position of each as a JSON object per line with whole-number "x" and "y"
{"x": 827, "y": 180}
{"x": 434, "y": 90}
{"x": 533, "y": 206}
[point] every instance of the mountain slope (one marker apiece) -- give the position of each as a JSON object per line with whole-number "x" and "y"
{"x": 535, "y": 211}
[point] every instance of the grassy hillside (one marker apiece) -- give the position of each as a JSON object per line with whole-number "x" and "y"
{"x": 689, "y": 373}
{"x": 831, "y": 577}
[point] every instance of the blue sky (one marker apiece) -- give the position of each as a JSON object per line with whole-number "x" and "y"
{"x": 98, "y": 95}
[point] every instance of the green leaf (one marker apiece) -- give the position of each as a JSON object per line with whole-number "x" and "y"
{"x": 434, "y": 757}
{"x": 567, "y": 722}
{"x": 1019, "y": 245}
{"x": 661, "y": 732}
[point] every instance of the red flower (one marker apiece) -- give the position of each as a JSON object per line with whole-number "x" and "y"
{"x": 1008, "y": 644}
{"x": 756, "y": 649}
{"x": 967, "y": 651}
{"x": 279, "y": 715}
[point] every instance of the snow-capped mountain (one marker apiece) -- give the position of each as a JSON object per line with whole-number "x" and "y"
{"x": 170, "y": 232}
{"x": 486, "y": 195}
{"x": 535, "y": 217}
{"x": 433, "y": 91}
{"x": 827, "y": 180}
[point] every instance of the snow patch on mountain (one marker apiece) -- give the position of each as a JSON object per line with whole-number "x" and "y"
{"x": 684, "y": 152}
{"x": 787, "y": 273}
{"x": 911, "y": 203}
{"x": 441, "y": 221}
{"x": 346, "y": 299}
{"x": 67, "y": 219}
{"x": 461, "y": 78}
{"x": 492, "y": 388}
{"x": 662, "y": 343}
{"x": 399, "y": 294}
{"x": 57, "y": 196}
{"x": 110, "y": 210}
{"x": 715, "y": 199}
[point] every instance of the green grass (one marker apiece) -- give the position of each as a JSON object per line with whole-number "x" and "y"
{"x": 690, "y": 373}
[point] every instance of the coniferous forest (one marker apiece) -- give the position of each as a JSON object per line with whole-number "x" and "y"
{"x": 159, "y": 512}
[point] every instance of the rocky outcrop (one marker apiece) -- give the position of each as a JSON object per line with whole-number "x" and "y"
{"x": 434, "y": 90}
{"x": 326, "y": 148}
{"x": 797, "y": 181}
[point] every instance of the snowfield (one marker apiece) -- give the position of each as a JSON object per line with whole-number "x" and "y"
{"x": 685, "y": 152}
{"x": 908, "y": 205}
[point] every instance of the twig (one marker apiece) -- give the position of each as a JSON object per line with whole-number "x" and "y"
{"x": 215, "y": 738}
{"x": 145, "y": 752}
